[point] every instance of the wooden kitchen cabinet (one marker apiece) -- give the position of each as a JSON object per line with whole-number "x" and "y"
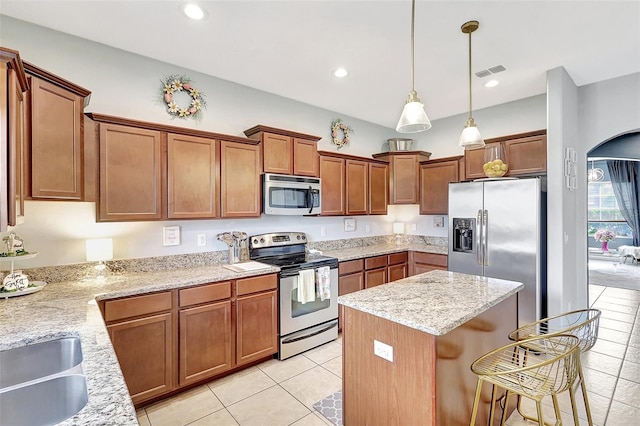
{"x": 240, "y": 187}
{"x": 192, "y": 170}
{"x": 420, "y": 262}
{"x": 350, "y": 279}
{"x": 206, "y": 332}
{"x": 286, "y": 152}
{"x": 357, "y": 173}
{"x": 435, "y": 176}
{"x": 13, "y": 113}
{"x": 526, "y": 155}
{"x": 256, "y": 318}
{"x": 398, "y": 266}
{"x": 378, "y": 188}
{"x": 353, "y": 185}
{"x": 130, "y": 173}
{"x": 403, "y": 175}
{"x": 375, "y": 271}
{"x": 54, "y": 168}
{"x": 142, "y": 330}
{"x": 332, "y": 193}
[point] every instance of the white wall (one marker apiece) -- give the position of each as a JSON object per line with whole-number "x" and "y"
{"x": 128, "y": 85}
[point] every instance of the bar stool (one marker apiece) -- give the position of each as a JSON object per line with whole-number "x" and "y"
{"x": 552, "y": 370}
{"x": 581, "y": 323}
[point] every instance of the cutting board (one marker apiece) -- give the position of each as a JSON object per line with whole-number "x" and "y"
{"x": 247, "y": 266}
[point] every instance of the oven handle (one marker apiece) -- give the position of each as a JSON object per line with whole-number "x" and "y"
{"x": 306, "y": 336}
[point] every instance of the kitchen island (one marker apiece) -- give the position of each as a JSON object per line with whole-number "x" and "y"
{"x": 427, "y": 330}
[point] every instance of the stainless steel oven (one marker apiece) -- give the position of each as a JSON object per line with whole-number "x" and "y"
{"x": 312, "y": 320}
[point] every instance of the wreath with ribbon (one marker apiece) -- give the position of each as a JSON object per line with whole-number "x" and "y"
{"x": 178, "y": 83}
{"x": 338, "y": 126}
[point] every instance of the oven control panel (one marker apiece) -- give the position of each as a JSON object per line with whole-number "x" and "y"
{"x": 277, "y": 239}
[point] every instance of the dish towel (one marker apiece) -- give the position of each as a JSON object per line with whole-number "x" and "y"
{"x": 324, "y": 283}
{"x": 307, "y": 286}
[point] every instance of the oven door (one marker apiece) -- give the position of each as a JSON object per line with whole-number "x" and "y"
{"x": 295, "y": 316}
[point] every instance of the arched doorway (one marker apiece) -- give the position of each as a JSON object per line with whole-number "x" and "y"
{"x": 618, "y": 265}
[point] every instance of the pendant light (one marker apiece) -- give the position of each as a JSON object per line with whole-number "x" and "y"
{"x": 413, "y": 119}
{"x": 470, "y": 137}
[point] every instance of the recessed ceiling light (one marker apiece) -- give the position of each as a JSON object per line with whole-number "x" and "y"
{"x": 194, "y": 11}
{"x": 491, "y": 83}
{"x": 340, "y": 73}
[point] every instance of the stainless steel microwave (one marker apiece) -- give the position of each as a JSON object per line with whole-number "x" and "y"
{"x": 290, "y": 195}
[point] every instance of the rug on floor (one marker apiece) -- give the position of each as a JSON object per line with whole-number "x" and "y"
{"x": 331, "y": 408}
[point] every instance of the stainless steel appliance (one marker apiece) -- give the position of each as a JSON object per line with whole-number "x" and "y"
{"x": 497, "y": 228}
{"x": 302, "y": 325}
{"x": 290, "y": 195}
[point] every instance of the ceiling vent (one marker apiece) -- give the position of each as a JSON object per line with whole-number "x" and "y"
{"x": 490, "y": 71}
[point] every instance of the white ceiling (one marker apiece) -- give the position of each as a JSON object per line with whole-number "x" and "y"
{"x": 290, "y": 48}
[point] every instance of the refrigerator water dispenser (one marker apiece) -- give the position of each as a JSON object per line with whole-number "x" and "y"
{"x": 463, "y": 230}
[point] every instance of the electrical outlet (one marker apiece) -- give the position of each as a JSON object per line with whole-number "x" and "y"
{"x": 414, "y": 227}
{"x": 367, "y": 228}
{"x": 171, "y": 235}
{"x": 202, "y": 240}
{"x": 323, "y": 231}
{"x": 383, "y": 350}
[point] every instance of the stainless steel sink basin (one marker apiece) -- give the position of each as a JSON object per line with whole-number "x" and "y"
{"x": 32, "y": 362}
{"x": 43, "y": 403}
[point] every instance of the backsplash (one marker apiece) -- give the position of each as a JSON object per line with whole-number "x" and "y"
{"x": 82, "y": 271}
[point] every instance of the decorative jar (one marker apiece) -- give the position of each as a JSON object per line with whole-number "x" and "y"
{"x": 605, "y": 246}
{"x": 495, "y": 161}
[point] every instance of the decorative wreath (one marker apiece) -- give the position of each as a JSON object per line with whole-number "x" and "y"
{"x": 336, "y": 126}
{"x": 178, "y": 83}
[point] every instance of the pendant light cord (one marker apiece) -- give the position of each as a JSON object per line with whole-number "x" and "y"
{"x": 470, "y": 103}
{"x": 413, "y": 18}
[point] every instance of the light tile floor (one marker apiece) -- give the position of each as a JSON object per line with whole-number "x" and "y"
{"x": 283, "y": 392}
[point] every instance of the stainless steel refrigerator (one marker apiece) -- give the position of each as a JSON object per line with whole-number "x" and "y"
{"x": 497, "y": 228}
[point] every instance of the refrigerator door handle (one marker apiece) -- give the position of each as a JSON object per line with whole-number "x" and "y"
{"x": 485, "y": 237}
{"x": 479, "y": 246}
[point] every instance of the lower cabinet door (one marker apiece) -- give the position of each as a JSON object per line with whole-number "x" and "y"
{"x": 397, "y": 272}
{"x": 144, "y": 350}
{"x": 206, "y": 341}
{"x": 257, "y": 326}
{"x": 348, "y": 284}
{"x": 375, "y": 277}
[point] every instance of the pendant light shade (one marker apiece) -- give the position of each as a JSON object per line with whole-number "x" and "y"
{"x": 470, "y": 137}
{"x": 414, "y": 118}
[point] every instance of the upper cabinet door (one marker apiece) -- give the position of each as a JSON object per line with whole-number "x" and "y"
{"x": 357, "y": 173}
{"x": 278, "y": 154}
{"x": 434, "y": 185}
{"x": 332, "y": 175}
{"x": 240, "y": 179}
{"x": 527, "y": 156}
{"x": 191, "y": 177}
{"x": 378, "y": 188}
{"x": 56, "y": 142}
{"x": 17, "y": 141}
{"x": 130, "y": 173}
{"x": 305, "y": 158}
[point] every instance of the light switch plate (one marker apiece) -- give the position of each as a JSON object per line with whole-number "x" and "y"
{"x": 349, "y": 225}
{"x": 171, "y": 236}
{"x": 438, "y": 221}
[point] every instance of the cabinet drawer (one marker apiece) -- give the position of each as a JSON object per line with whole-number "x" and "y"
{"x": 350, "y": 266}
{"x": 135, "y": 306}
{"x": 256, "y": 284}
{"x": 397, "y": 258}
{"x": 430, "y": 258}
{"x": 205, "y": 293}
{"x": 375, "y": 262}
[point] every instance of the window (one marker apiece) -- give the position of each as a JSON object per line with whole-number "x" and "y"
{"x": 602, "y": 207}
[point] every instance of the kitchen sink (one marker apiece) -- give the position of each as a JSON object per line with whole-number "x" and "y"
{"x": 43, "y": 403}
{"x": 31, "y": 362}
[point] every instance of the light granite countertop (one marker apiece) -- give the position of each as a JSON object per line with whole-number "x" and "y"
{"x": 68, "y": 308}
{"x": 435, "y": 302}
{"x": 353, "y": 253}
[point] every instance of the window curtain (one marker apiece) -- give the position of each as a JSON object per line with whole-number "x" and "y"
{"x": 625, "y": 181}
